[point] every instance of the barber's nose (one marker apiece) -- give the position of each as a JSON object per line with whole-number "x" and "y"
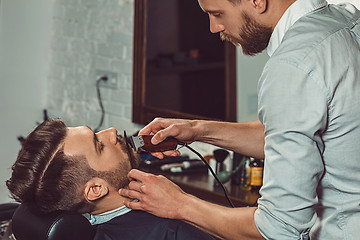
{"x": 216, "y": 27}
{"x": 108, "y": 134}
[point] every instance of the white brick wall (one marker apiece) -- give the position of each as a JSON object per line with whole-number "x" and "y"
{"x": 94, "y": 35}
{"x": 91, "y": 35}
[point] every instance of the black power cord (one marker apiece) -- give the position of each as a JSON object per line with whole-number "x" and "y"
{"x": 211, "y": 170}
{"x": 103, "y": 78}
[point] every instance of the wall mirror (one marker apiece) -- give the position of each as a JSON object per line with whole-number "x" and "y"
{"x": 181, "y": 69}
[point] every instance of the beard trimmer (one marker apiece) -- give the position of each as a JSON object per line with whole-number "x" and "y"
{"x": 143, "y": 143}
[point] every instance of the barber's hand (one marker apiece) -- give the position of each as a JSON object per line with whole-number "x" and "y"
{"x": 155, "y": 194}
{"x": 183, "y": 130}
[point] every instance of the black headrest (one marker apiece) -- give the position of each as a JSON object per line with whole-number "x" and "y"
{"x": 28, "y": 223}
{"x": 7, "y": 210}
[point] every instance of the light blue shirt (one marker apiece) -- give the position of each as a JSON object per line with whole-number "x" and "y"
{"x": 101, "y": 218}
{"x": 309, "y": 103}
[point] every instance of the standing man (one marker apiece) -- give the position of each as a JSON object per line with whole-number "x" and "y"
{"x": 308, "y": 133}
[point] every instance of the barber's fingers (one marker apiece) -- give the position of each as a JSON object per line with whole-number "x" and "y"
{"x": 135, "y": 185}
{"x": 137, "y": 175}
{"x": 129, "y": 202}
{"x": 153, "y": 127}
{"x": 172, "y": 153}
{"x": 130, "y": 194}
{"x": 161, "y": 128}
{"x": 160, "y": 155}
{"x": 181, "y": 129}
{"x": 171, "y": 131}
{"x": 133, "y": 204}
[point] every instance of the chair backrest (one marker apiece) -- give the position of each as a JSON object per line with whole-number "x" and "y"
{"x": 7, "y": 210}
{"x": 28, "y": 223}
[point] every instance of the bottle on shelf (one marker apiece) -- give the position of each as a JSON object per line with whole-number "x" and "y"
{"x": 256, "y": 169}
{"x": 245, "y": 174}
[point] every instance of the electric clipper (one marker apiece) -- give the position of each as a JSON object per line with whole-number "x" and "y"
{"x": 143, "y": 143}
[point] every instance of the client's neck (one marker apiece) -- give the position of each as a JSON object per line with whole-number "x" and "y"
{"x": 109, "y": 202}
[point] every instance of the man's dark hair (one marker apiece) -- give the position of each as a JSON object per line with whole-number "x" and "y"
{"x": 47, "y": 178}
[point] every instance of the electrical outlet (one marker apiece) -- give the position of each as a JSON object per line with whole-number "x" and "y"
{"x": 112, "y": 81}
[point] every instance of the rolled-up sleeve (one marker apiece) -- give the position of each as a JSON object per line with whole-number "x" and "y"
{"x": 293, "y": 109}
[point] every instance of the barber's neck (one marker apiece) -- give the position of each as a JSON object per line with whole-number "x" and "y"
{"x": 109, "y": 202}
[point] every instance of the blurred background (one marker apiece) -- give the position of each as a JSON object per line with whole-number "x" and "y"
{"x": 52, "y": 52}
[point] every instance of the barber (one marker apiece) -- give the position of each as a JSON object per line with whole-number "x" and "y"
{"x": 308, "y": 130}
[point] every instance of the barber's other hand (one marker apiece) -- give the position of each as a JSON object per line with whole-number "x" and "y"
{"x": 162, "y": 128}
{"x": 155, "y": 194}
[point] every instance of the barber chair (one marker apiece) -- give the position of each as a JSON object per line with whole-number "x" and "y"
{"x": 6, "y": 212}
{"x": 26, "y": 223}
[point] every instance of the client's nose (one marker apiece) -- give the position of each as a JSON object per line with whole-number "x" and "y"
{"x": 109, "y": 133}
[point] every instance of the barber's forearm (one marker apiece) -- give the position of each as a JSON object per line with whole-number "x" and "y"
{"x": 222, "y": 222}
{"x": 246, "y": 138}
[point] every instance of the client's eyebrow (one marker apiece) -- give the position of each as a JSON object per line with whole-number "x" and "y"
{"x": 94, "y": 139}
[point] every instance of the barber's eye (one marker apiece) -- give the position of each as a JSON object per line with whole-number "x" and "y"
{"x": 216, "y": 14}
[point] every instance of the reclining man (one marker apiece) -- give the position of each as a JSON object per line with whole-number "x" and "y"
{"x": 76, "y": 169}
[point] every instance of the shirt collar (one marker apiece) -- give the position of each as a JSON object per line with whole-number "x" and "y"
{"x": 106, "y": 216}
{"x": 297, "y": 10}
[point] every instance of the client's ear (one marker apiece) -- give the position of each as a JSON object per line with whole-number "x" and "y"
{"x": 95, "y": 189}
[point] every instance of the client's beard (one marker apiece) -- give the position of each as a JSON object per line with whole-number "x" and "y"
{"x": 118, "y": 177}
{"x": 253, "y": 37}
{"x": 134, "y": 158}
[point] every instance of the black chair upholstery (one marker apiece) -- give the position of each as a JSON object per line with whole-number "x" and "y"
{"x": 7, "y": 210}
{"x": 28, "y": 223}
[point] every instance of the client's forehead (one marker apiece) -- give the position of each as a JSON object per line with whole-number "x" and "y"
{"x": 78, "y": 140}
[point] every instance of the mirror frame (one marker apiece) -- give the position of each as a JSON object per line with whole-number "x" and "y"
{"x": 143, "y": 114}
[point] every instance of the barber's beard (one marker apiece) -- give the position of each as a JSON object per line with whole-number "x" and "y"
{"x": 253, "y": 37}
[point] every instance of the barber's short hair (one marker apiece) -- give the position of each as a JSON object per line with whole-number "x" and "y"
{"x": 47, "y": 178}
